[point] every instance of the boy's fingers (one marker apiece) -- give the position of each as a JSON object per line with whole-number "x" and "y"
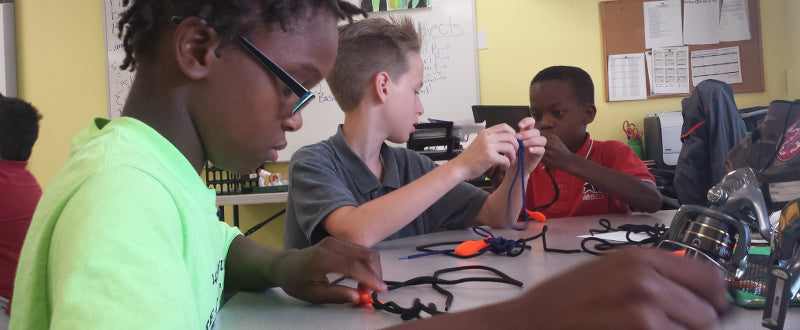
{"x": 360, "y": 263}
{"x": 337, "y": 294}
{"x": 710, "y": 285}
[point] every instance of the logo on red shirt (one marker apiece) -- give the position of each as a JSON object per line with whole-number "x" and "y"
{"x": 590, "y": 192}
{"x": 791, "y": 143}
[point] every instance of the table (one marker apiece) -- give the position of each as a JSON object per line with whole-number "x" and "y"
{"x": 274, "y": 309}
{"x": 244, "y": 199}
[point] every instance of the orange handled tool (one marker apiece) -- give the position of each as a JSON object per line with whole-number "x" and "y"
{"x": 538, "y": 216}
{"x": 468, "y": 248}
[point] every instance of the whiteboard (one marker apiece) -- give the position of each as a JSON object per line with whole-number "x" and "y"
{"x": 118, "y": 81}
{"x": 8, "y": 50}
{"x": 449, "y": 53}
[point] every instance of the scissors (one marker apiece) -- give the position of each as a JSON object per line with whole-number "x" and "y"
{"x": 631, "y": 131}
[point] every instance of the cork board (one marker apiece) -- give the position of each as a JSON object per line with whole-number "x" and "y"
{"x": 622, "y": 23}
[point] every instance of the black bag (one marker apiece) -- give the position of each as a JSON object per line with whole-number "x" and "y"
{"x": 771, "y": 150}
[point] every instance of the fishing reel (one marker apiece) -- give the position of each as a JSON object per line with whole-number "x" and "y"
{"x": 784, "y": 263}
{"x": 721, "y": 232}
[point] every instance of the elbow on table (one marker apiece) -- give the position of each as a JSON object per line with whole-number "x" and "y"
{"x": 651, "y": 203}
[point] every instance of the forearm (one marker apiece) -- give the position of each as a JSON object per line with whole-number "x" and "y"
{"x": 635, "y": 192}
{"x": 375, "y": 220}
{"x": 250, "y": 266}
{"x": 499, "y": 210}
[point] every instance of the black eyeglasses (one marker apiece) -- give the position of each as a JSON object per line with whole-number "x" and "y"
{"x": 298, "y": 89}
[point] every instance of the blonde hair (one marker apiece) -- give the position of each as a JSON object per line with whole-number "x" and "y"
{"x": 367, "y": 47}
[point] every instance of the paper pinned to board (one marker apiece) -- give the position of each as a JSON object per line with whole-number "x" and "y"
{"x": 662, "y": 24}
{"x": 734, "y": 21}
{"x": 627, "y": 77}
{"x": 722, "y": 64}
{"x": 670, "y": 70}
{"x": 701, "y": 22}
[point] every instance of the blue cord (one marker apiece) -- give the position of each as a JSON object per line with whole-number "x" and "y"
{"x": 497, "y": 244}
{"x": 426, "y": 254}
{"x": 518, "y": 173}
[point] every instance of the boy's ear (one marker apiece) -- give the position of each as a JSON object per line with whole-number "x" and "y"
{"x": 194, "y": 46}
{"x": 380, "y": 84}
{"x": 591, "y": 112}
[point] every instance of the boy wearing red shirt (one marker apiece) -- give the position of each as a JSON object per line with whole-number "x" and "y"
{"x": 577, "y": 175}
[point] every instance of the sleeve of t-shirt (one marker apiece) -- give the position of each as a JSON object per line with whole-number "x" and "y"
{"x": 620, "y": 157}
{"x": 458, "y": 207}
{"x": 316, "y": 190}
{"x": 115, "y": 262}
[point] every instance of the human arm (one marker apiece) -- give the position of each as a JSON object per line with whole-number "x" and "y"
{"x": 633, "y": 288}
{"x": 301, "y": 273}
{"x": 499, "y": 209}
{"x": 373, "y": 221}
{"x": 639, "y": 194}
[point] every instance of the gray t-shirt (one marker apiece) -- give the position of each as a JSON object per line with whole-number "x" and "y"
{"x": 328, "y": 175}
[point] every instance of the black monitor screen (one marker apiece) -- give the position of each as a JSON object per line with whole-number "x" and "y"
{"x": 496, "y": 114}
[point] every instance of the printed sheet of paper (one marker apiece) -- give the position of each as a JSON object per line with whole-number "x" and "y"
{"x": 721, "y": 64}
{"x": 734, "y": 21}
{"x": 670, "y": 73}
{"x": 619, "y": 236}
{"x": 662, "y": 24}
{"x": 626, "y": 77}
{"x": 701, "y": 22}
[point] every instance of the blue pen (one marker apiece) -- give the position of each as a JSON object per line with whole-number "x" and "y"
{"x": 425, "y": 254}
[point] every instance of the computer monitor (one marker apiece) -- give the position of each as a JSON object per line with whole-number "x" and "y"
{"x": 496, "y": 114}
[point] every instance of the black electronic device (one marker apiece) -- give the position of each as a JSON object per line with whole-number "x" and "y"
{"x": 434, "y": 140}
{"x": 498, "y": 114}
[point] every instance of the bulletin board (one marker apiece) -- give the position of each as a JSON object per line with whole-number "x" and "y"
{"x": 623, "y": 33}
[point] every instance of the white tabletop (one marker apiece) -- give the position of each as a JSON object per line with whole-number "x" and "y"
{"x": 259, "y": 198}
{"x": 273, "y": 309}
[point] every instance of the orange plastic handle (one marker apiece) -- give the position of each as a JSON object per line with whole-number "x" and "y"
{"x": 538, "y": 216}
{"x": 468, "y": 248}
{"x": 364, "y": 297}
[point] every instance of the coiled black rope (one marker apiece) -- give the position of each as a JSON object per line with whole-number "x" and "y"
{"x": 500, "y": 245}
{"x": 655, "y": 233}
{"x": 417, "y": 306}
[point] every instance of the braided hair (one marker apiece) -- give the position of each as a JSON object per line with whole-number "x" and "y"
{"x": 143, "y": 21}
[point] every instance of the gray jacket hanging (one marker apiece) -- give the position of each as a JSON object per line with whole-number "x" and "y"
{"x": 711, "y": 127}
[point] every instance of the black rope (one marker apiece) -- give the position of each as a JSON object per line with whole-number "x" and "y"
{"x": 555, "y": 196}
{"x": 655, "y": 233}
{"x": 258, "y": 226}
{"x": 417, "y": 306}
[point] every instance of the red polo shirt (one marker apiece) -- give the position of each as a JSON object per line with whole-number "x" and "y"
{"x": 19, "y": 194}
{"x": 577, "y": 197}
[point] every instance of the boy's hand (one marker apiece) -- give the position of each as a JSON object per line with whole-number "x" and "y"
{"x": 556, "y": 155}
{"x": 494, "y": 146}
{"x": 533, "y": 141}
{"x": 632, "y": 289}
{"x": 301, "y": 273}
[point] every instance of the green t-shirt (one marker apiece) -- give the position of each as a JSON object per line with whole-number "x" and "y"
{"x": 125, "y": 236}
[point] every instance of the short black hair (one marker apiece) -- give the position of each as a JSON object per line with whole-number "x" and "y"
{"x": 580, "y": 81}
{"x": 142, "y": 22}
{"x": 19, "y": 128}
